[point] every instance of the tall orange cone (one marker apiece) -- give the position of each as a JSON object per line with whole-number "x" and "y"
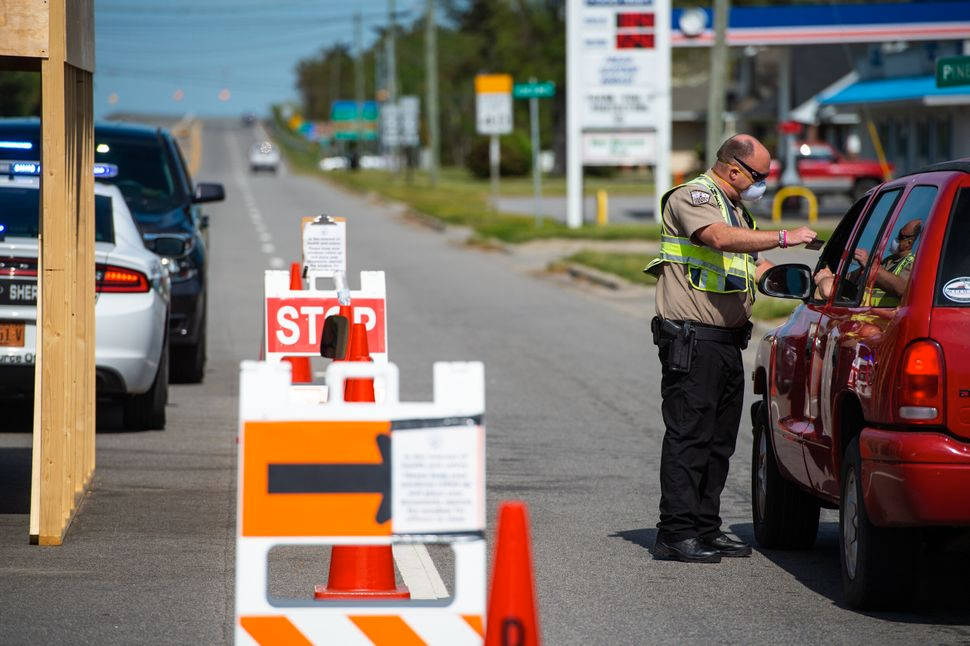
{"x": 358, "y": 390}
{"x": 512, "y": 618}
{"x": 296, "y": 278}
{"x": 301, "y": 372}
{"x": 360, "y": 571}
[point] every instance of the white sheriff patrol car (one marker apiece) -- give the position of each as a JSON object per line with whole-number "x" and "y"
{"x": 131, "y": 292}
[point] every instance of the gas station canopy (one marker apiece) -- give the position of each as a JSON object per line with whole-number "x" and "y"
{"x": 836, "y": 23}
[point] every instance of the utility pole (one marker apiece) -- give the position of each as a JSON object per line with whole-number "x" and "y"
{"x": 359, "y": 80}
{"x": 391, "y": 46}
{"x": 715, "y": 98}
{"x": 431, "y": 73}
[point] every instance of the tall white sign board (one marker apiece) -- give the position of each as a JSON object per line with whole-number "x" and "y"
{"x": 618, "y": 85}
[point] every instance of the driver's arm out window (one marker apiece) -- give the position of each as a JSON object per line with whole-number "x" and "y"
{"x": 853, "y": 277}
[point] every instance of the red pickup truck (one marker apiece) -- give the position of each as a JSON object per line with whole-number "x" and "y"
{"x": 825, "y": 171}
{"x": 864, "y": 393}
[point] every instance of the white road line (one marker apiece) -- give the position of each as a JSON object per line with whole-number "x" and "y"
{"x": 255, "y": 216}
{"x": 418, "y": 571}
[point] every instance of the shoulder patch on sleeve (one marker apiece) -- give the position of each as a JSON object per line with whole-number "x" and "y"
{"x": 698, "y": 198}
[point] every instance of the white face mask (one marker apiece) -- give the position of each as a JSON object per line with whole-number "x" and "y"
{"x": 894, "y": 246}
{"x": 754, "y": 192}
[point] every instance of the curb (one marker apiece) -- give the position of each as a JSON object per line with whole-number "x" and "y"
{"x": 595, "y": 276}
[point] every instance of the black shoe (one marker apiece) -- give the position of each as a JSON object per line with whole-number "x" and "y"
{"x": 690, "y": 550}
{"x": 724, "y": 545}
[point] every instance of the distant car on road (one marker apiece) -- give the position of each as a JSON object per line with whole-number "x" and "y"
{"x": 376, "y": 162}
{"x": 131, "y": 302}
{"x": 865, "y": 390}
{"x": 826, "y": 171}
{"x": 263, "y": 156}
{"x": 157, "y": 186}
{"x": 334, "y": 163}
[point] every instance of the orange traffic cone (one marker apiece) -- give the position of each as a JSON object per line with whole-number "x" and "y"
{"x": 360, "y": 571}
{"x": 301, "y": 372}
{"x": 358, "y": 390}
{"x": 512, "y": 618}
{"x": 296, "y": 278}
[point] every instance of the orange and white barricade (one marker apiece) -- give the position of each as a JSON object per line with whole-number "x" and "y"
{"x": 351, "y": 473}
{"x": 294, "y": 318}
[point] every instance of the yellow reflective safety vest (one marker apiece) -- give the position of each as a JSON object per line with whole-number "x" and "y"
{"x": 878, "y": 297}
{"x": 709, "y": 270}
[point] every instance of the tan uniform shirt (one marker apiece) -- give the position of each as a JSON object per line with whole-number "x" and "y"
{"x": 689, "y": 209}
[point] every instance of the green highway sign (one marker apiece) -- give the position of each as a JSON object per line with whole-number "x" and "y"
{"x": 534, "y": 90}
{"x": 952, "y": 71}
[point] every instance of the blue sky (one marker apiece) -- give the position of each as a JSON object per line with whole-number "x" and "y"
{"x": 147, "y": 50}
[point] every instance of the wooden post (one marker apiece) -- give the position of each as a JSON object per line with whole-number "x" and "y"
{"x": 57, "y": 37}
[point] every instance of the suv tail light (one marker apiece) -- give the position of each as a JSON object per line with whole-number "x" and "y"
{"x": 110, "y": 278}
{"x": 921, "y": 386}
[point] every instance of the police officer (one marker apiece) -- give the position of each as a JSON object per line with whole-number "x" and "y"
{"x": 707, "y": 274}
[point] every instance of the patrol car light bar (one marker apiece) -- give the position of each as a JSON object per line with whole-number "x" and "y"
{"x": 31, "y": 168}
{"x": 16, "y": 145}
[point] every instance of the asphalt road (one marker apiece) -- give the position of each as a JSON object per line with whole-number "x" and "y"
{"x": 574, "y": 429}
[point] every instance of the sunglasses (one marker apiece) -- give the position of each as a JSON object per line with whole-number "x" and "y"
{"x": 755, "y": 175}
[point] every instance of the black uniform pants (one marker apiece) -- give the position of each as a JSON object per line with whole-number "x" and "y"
{"x": 702, "y": 411}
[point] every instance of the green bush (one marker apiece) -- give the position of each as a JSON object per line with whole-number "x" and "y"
{"x": 515, "y": 159}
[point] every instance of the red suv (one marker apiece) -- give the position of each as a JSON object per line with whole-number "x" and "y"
{"x": 865, "y": 390}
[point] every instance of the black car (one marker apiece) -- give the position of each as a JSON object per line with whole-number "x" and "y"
{"x": 154, "y": 178}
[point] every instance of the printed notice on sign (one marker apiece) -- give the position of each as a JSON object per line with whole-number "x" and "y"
{"x": 325, "y": 246}
{"x": 437, "y": 480}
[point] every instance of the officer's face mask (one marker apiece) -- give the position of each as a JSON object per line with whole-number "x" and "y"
{"x": 894, "y": 247}
{"x": 754, "y": 192}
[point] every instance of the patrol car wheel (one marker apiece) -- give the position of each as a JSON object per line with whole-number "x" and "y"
{"x": 147, "y": 411}
{"x": 784, "y": 516}
{"x": 878, "y": 563}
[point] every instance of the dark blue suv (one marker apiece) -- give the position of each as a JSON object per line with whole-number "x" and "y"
{"x": 154, "y": 178}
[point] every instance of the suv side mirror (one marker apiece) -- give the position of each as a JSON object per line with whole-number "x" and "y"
{"x": 208, "y": 192}
{"x": 787, "y": 281}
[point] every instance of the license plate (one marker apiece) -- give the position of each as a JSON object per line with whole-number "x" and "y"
{"x": 18, "y": 292}
{"x": 12, "y": 334}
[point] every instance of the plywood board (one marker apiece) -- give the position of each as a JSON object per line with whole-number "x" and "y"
{"x": 25, "y": 28}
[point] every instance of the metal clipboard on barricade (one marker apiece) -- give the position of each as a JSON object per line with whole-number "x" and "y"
{"x": 421, "y": 480}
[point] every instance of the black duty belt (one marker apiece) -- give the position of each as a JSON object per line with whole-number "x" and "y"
{"x": 733, "y": 336}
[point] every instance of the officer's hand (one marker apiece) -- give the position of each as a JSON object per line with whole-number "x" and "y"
{"x": 861, "y": 256}
{"x": 801, "y": 235}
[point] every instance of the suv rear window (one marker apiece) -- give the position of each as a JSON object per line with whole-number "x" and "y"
{"x": 953, "y": 283}
{"x": 20, "y": 213}
{"x": 144, "y": 174}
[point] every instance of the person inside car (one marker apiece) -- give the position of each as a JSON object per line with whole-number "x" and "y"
{"x": 892, "y": 274}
